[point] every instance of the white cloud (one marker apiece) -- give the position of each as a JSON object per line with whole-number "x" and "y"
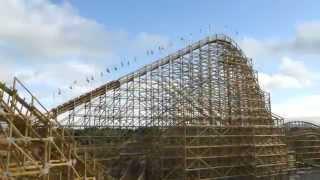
{"x": 291, "y": 74}
{"x": 57, "y": 73}
{"x": 276, "y": 81}
{"x": 6, "y": 73}
{"x": 60, "y": 76}
{"x": 253, "y": 47}
{"x": 50, "y": 45}
{"x": 41, "y": 28}
{"x": 294, "y": 68}
{"x": 305, "y": 40}
{"x": 305, "y": 108}
{"x": 309, "y": 31}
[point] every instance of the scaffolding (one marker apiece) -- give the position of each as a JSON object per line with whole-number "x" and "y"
{"x": 33, "y": 145}
{"x": 198, "y": 113}
{"x": 303, "y": 140}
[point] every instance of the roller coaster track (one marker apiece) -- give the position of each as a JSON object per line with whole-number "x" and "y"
{"x": 303, "y": 139}
{"x": 34, "y": 145}
{"x": 71, "y": 104}
{"x": 206, "y": 92}
{"x": 198, "y": 113}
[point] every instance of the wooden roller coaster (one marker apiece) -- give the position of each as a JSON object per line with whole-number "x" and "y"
{"x": 33, "y": 145}
{"x": 198, "y": 113}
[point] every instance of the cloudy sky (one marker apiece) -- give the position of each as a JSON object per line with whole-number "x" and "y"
{"x": 58, "y": 44}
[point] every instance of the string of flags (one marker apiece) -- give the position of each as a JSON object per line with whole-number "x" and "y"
{"x": 126, "y": 62}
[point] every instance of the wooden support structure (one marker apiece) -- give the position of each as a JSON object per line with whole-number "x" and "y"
{"x": 32, "y": 144}
{"x": 198, "y": 113}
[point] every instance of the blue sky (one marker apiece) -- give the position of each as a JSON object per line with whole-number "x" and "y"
{"x": 51, "y": 44}
{"x": 173, "y": 18}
